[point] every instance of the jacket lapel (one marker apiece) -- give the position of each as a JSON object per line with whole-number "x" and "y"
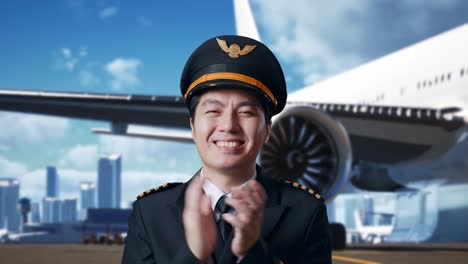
{"x": 274, "y": 209}
{"x": 177, "y": 208}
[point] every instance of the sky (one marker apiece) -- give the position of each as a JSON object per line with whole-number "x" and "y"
{"x": 140, "y": 47}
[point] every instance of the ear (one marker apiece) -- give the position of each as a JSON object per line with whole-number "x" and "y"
{"x": 191, "y": 126}
{"x": 267, "y": 132}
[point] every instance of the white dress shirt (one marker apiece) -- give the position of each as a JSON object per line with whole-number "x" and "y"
{"x": 214, "y": 193}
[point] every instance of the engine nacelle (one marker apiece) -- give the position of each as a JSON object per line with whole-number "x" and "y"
{"x": 308, "y": 146}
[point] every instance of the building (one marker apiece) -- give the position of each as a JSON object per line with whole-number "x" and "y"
{"x": 88, "y": 195}
{"x": 109, "y": 188}
{"x": 69, "y": 207}
{"x": 9, "y": 196}
{"x": 52, "y": 186}
{"x": 51, "y": 210}
{"x": 35, "y": 215}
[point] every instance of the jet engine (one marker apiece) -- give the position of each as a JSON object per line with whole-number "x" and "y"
{"x": 308, "y": 146}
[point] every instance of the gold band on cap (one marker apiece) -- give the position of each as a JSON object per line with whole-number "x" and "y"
{"x": 232, "y": 76}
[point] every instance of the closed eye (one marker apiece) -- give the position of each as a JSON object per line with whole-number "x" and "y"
{"x": 247, "y": 113}
{"x": 211, "y": 112}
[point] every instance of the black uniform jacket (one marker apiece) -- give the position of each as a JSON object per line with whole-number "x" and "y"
{"x": 294, "y": 229}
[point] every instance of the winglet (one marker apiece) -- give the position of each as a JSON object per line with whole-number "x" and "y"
{"x": 245, "y": 23}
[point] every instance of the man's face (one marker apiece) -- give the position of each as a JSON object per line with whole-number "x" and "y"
{"x": 229, "y": 128}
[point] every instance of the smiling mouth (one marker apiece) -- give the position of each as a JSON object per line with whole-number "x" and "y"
{"x": 229, "y": 143}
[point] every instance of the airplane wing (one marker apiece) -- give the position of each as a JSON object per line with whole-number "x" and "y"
{"x": 373, "y": 130}
{"x": 121, "y": 110}
{"x": 394, "y": 134}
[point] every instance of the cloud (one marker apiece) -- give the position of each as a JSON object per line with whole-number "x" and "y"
{"x": 80, "y": 157}
{"x": 88, "y": 79}
{"x": 32, "y": 128}
{"x": 301, "y": 34}
{"x": 124, "y": 72}
{"x": 318, "y": 39}
{"x": 66, "y": 53}
{"x": 69, "y": 62}
{"x": 145, "y": 21}
{"x": 11, "y": 169}
{"x": 64, "y": 59}
{"x": 108, "y": 12}
{"x": 136, "y": 182}
{"x": 157, "y": 155}
{"x": 4, "y": 148}
{"x": 83, "y": 51}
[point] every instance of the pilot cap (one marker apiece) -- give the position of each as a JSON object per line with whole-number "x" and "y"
{"x": 235, "y": 62}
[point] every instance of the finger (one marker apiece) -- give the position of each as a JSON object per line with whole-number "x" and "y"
{"x": 194, "y": 193}
{"x": 205, "y": 205}
{"x": 241, "y": 207}
{"x": 259, "y": 193}
{"x": 241, "y": 192}
{"x": 238, "y": 221}
{"x": 246, "y": 194}
{"x": 253, "y": 187}
{"x": 239, "y": 204}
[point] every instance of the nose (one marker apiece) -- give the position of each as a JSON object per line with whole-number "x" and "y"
{"x": 229, "y": 122}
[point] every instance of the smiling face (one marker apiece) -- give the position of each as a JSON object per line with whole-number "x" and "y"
{"x": 229, "y": 129}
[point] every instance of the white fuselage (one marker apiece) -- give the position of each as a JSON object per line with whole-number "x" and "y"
{"x": 430, "y": 74}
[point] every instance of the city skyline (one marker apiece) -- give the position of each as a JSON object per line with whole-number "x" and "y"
{"x": 54, "y": 207}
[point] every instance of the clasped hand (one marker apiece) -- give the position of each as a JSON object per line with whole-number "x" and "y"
{"x": 200, "y": 229}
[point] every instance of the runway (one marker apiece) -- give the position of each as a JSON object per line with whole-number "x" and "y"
{"x": 402, "y": 253}
{"x": 102, "y": 254}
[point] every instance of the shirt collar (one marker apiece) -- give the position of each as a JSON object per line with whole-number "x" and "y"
{"x": 214, "y": 193}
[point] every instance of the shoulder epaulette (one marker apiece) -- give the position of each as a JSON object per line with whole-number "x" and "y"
{"x": 304, "y": 188}
{"x": 161, "y": 188}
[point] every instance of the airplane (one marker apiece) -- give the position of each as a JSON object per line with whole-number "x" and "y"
{"x": 371, "y": 233}
{"x": 3, "y": 235}
{"x": 366, "y": 126}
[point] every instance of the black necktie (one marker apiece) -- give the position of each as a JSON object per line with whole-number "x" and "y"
{"x": 224, "y": 227}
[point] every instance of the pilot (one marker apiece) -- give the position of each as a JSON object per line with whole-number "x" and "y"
{"x": 230, "y": 211}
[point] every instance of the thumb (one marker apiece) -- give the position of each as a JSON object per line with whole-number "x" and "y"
{"x": 205, "y": 204}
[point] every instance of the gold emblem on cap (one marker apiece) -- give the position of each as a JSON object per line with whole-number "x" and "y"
{"x": 234, "y": 50}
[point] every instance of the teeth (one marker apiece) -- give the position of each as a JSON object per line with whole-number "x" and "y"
{"x": 229, "y": 144}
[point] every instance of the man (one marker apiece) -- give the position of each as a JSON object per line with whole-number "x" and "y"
{"x": 230, "y": 212}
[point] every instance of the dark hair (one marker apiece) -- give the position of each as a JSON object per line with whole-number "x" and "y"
{"x": 195, "y": 100}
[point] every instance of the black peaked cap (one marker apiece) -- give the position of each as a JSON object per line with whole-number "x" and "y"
{"x": 235, "y": 62}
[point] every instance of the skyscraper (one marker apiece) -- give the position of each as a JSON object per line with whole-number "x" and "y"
{"x": 35, "y": 215}
{"x": 52, "y": 182}
{"x": 9, "y": 196}
{"x": 88, "y": 195}
{"x": 109, "y": 190}
{"x": 51, "y": 212}
{"x": 69, "y": 210}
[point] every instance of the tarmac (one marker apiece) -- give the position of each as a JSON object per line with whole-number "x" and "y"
{"x": 359, "y": 254}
